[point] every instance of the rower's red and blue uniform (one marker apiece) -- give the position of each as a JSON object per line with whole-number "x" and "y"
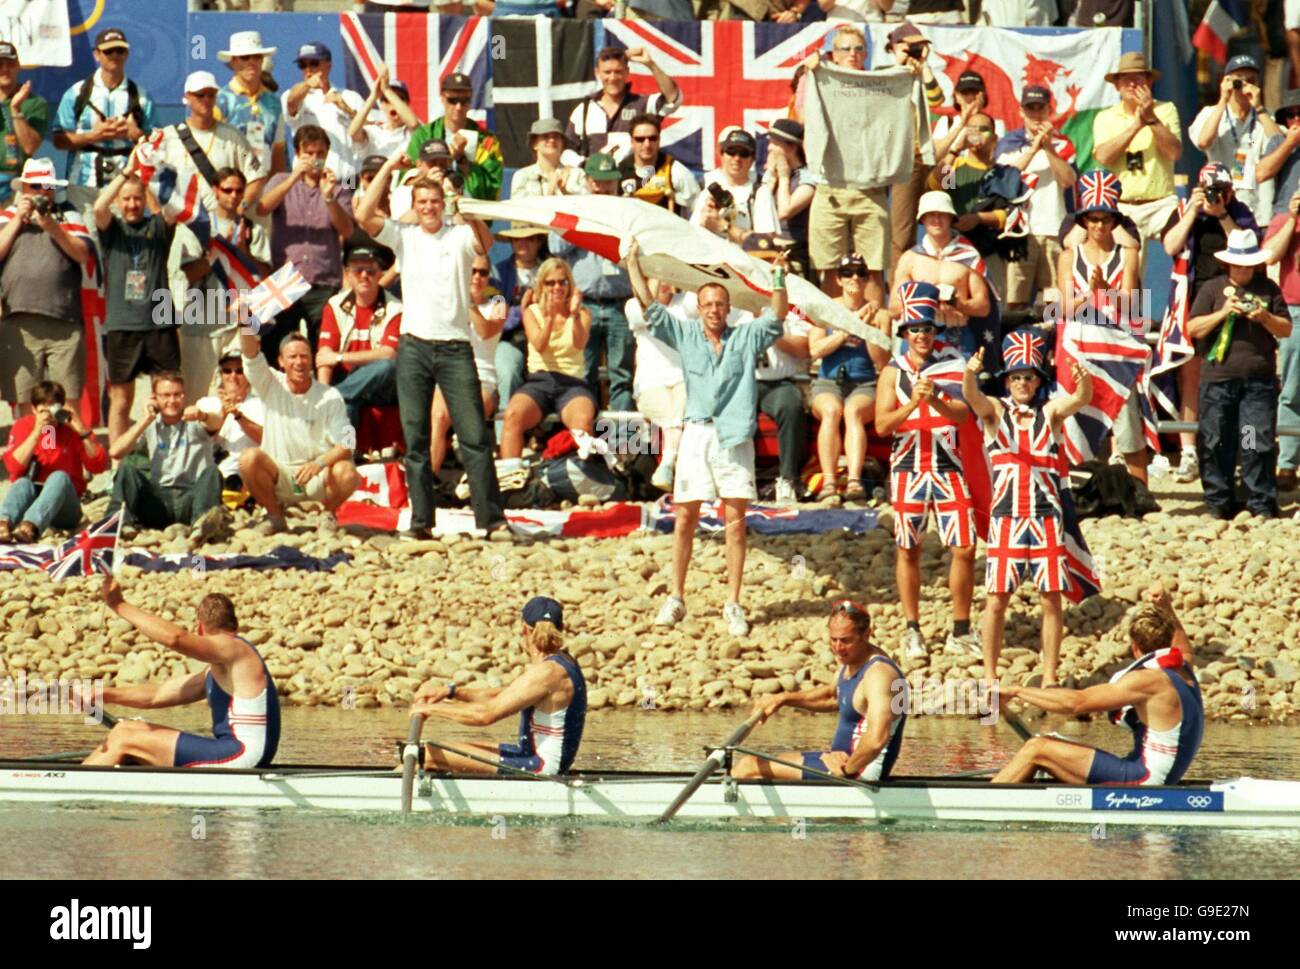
{"x": 246, "y": 731}
{"x": 851, "y": 724}
{"x": 548, "y": 742}
{"x": 1159, "y": 756}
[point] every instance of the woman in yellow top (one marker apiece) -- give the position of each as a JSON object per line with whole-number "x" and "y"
{"x": 557, "y": 327}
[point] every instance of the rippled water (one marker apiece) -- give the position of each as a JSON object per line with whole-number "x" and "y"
{"x": 126, "y": 841}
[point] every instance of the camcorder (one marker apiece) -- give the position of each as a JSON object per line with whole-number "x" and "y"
{"x": 723, "y": 200}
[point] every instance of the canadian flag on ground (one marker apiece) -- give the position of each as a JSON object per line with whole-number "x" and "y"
{"x": 380, "y": 500}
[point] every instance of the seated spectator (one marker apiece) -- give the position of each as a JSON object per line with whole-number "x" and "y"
{"x": 547, "y": 175}
{"x": 134, "y": 246}
{"x": 486, "y": 319}
{"x": 49, "y": 457}
{"x": 603, "y": 124}
{"x": 242, "y": 416}
{"x": 786, "y": 177}
{"x": 653, "y": 175}
{"x": 1235, "y": 130}
{"x": 726, "y": 206}
{"x": 394, "y": 133}
{"x": 781, "y": 399}
{"x": 475, "y": 151}
{"x": 359, "y": 330}
{"x": 42, "y": 249}
{"x": 513, "y": 278}
{"x": 659, "y": 386}
{"x": 1236, "y": 321}
{"x": 314, "y": 103}
{"x": 311, "y": 212}
{"x": 306, "y": 449}
{"x": 961, "y": 174}
{"x": 845, "y": 388}
{"x": 558, "y": 326}
{"x": 1040, "y": 152}
{"x": 28, "y": 117}
{"x": 167, "y": 475}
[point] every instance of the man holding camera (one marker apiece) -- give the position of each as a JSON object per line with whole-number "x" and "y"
{"x": 476, "y": 162}
{"x": 100, "y": 119}
{"x": 1236, "y": 321}
{"x": 1139, "y": 140}
{"x": 1234, "y": 132}
{"x": 41, "y": 255}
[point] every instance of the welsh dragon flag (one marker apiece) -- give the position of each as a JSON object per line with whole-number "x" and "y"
{"x": 1072, "y": 65}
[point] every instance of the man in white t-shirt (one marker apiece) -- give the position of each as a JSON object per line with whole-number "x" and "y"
{"x": 243, "y": 413}
{"x": 1234, "y": 132}
{"x": 313, "y": 101}
{"x": 1045, "y": 157}
{"x": 434, "y": 258}
{"x": 307, "y": 442}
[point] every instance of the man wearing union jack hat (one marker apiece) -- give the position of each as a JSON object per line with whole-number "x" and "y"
{"x": 918, "y": 404}
{"x": 1022, "y": 435}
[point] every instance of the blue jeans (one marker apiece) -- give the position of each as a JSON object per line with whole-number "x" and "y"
{"x": 609, "y": 331}
{"x": 372, "y": 384}
{"x": 1239, "y": 417}
{"x": 55, "y": 502}
{"x": 1288, "y": 404}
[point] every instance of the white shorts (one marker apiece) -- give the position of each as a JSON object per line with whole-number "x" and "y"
{"x": 287, "y": 491}
{"x": 707, "y": 471}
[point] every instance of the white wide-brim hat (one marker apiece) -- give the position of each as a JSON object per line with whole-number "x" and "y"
{"x": 1243, "y": 249}
{"x": 243, "y": 44}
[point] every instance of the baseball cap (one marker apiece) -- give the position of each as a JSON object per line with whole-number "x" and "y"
{"x": 1215, "y": 174}
{"x": 200, "y": 81}
{"x": 110, "y": 38}
{"x": 851, "y": 261}
{"x": 400, "y": 89}
{"x": 457, "y": 82}
{"x": 786, "y": 129}
{"x": 970, "y": 81}
{"x": 433, "y": 151}
{"x": 737, "y": 139}
{"x": 602, "y": 167}
{"x": 372, "y": 163}
{"x": 904, "y": 32}
{"x": 540, "y": 608}
{"x": 313, "y": 51}
{"x": 935, "y": 201}
{"x": 1035, "y": 94}
{"x": 8, "y": 52}
{"x": 360, "y": 252}
{"x": 1242, "y": 62}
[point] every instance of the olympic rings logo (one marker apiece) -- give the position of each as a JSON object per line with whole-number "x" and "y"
{"x": 1199, "y": 801}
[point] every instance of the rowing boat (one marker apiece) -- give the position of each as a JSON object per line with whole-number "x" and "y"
{"x": 1245, "y": 802}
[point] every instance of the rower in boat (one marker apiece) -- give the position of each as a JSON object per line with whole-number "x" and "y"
{"x": 240, "y": 691}
{"x": 550, "y": 697}
{"x": 870, "y": 694}
{"x": 1156, "y": 696}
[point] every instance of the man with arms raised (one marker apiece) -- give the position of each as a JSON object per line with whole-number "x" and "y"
{"x": 603, "y": 123}
{"x": 240, "y": 691}
{"x": 1156, "y": 696}
{"x": 868, "y": 692}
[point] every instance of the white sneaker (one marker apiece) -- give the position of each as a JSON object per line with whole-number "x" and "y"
{"x": 913, "y": 644}
{"x": 785, "y": 492}
{"x": 966, "y": 643}
{"x": 1188, "y": 468}
{"x": 735, "y": 616}
{"x": 671, "y": 612}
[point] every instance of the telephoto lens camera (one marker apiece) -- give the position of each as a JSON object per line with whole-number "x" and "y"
{"x": 43, "y": 204}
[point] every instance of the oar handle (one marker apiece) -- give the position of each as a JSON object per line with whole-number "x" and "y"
{"x": 410, "y": 757}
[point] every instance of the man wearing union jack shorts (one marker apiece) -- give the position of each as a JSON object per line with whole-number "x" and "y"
{"x": 1026, "y": 536}
{"x": 926, "y": 472}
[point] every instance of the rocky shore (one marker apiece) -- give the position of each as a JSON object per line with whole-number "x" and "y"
{"x": 400, "y": 612}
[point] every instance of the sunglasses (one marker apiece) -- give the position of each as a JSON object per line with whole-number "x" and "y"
{"x": 645, "y": 138}
{"x": 1022, "y": 377}
{"x": 114, "y": 52}
{"x": 235, "y": 369}
{"x": 364, "y": 270}
{"x": 556, "y": 282}
{"x": 855, "y": 49}
{"x": 227, "y": 189}
{"x": 306, "y": 64}
{"x": 851, "y": 273}
{"x": 981, "y": 127}
{"x": 456, "y": 101}
{"x": 919, "y": 329}
{"x": 847, "y": 606}
{"x": 739, "y": 152}
{"x": 479, "y": 272}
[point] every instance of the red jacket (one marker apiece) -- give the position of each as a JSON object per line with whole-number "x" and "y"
{"x": 68, "y": 454}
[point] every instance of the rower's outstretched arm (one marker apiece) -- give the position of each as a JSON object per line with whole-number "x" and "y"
{"x": 207, "y": 649}
{"x": 820, "y": 699}
{"x": 178, "y": 691}
{"x": 1134, "y": 688}
{"x": 531, "y": 688}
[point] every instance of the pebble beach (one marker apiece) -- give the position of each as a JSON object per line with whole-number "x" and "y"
{"x": 370, "y": 632}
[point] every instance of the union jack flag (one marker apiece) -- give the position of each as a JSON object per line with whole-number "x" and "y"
{"x": 1021, "y": 548}
{"x": 179, "y": 195}
{"x": 234, "y": 269}
{"x": 1022, "y": 348}
{"x": 420, "y": 50}
{"x": 13, "y": 557}
{"x": 1097, "y": 188}
{"x": 918, "y": 302}
{"x": 1174, "y": 347}
{"x": 274, "y": 294}
{"x": 729, "y": 72}
{"x": 1118, "y": 362}
{"x": 89, "y": 552}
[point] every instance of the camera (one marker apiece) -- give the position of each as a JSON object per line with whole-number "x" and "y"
{"x": 62, "y": 415}
{"x": 1249, "y": 302}
{"x": 1133, "y": 161}
{"x": 916, "y": 51}
{"x": 42, "y": 204}
{"x": 107, "y": 167}
{"x": 723, "y": 199}
{"x": 457, "y": 179}
{"x": 1238, "y": 84}
{"x": 318, "y": 164}
{"x": 1213, "y": 195}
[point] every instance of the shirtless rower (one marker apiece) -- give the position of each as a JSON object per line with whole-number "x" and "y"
{"x": 929, "y": 263}
{"x": 1156, "y": 696}
{"x": 240, "y": 691}
{"x": 550, "y": 697}
{"x": 869, "y": 693}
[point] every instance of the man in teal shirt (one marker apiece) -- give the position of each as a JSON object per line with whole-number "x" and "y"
{"x": 24, "y": 118}
{"x": 715, "y": 460}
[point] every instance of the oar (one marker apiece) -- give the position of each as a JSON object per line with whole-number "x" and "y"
{"x": 852, "y": 782}
{"x": 1017, "y": 725}
{"x": 106, "y": 718}
{"x": 498, "y": 766}
{"x": 712, "y": 763}
{"x": 410, "y": 756}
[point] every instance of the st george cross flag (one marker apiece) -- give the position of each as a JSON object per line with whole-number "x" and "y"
{"x": 1222, "y": 19}
{"x": 672, "y": 249}
{"x": 275, "y": 294}
{"x": 89, "y": 552}
{"x": 1118, "y": 363}
{"x": 420, "y": 50}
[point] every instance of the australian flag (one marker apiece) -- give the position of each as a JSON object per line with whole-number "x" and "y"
{"x": 89, "y": 552}
{"x": 420, "y": 50}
